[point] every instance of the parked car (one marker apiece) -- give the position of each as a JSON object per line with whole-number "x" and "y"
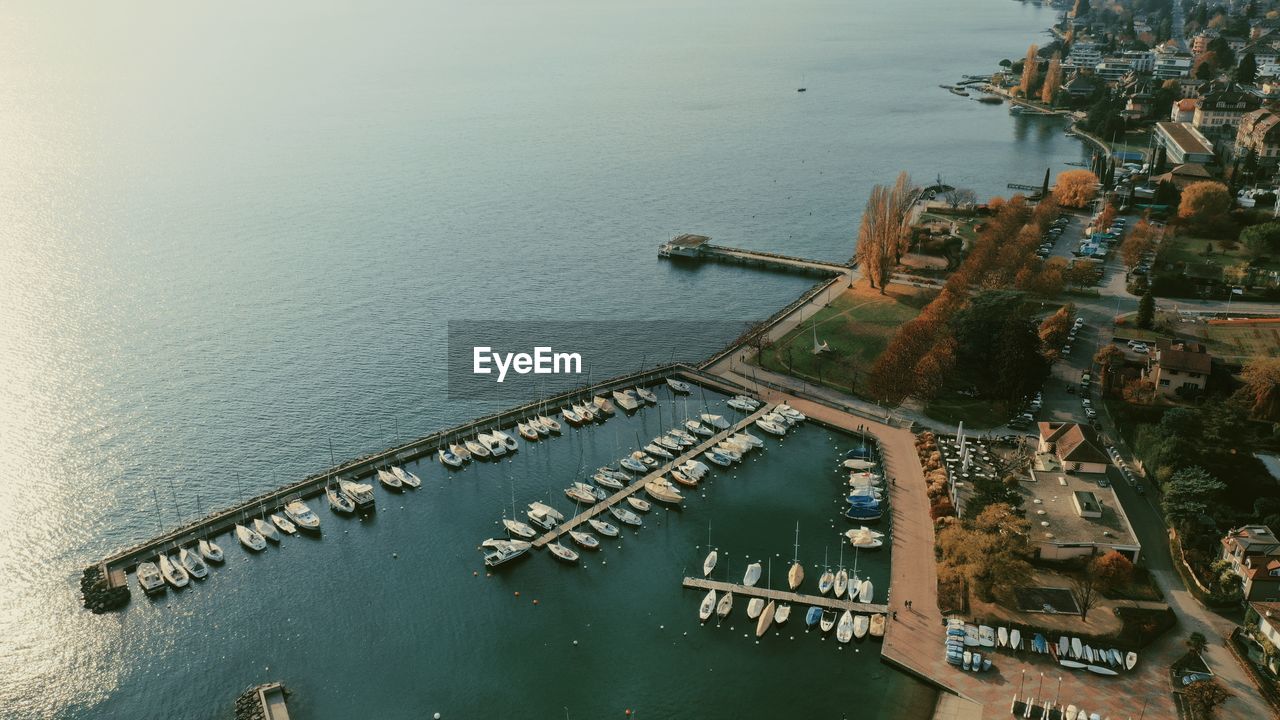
{"x": 1138, "y": 487}
{"x": 1195, "y": 677}
{"x": 1141, "y": 348}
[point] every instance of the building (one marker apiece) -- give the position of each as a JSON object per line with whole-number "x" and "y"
{"x": 1073, "y": 517}
{"x": 1183, "y": 110}
{"x": 1112, "y": 69}
{"x": 1183, "y": 143}
{"x": 1262, "y": 621}
{"x": 1220, "y": 109}
{"x": 1172, "y": 66}
{"x": 684, "y": 246}
{"x": 1143, "y": 61}
{"x": 1080, "y": 86}
{"x": 1075, "y": 447}
{"x": 1254, "y": 554}
{"x": 1084, "y": 54}
{"x": 1183, "y": 175}
{"x": 1178, "y": 367}
{"x": 1263, "y": 54}
{"x": 1259, "y": 133}
{"x": 1200, "y": 43}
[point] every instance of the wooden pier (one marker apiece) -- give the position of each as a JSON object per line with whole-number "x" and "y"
{"x": 785, "y": 596}
{"x": 698, "y": 247}
{"x": 638, "y": 485}
{"x": 104, "y": 584}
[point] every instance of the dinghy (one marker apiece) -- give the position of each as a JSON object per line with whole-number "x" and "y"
{"x": 708, "y": 606}
{"x": 986, "y": 636}
{"x": 1074, "y": 665}
{"x": 1100, "y": 670}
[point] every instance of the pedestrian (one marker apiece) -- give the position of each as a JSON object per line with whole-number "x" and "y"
{"x": 895, "y": 614}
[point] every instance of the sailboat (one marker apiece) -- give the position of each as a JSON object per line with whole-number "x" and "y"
{"x": 266, "y": 530}
{"x": 812, "y": 616}
{"x": 250, "y": 538}
{"x": 708, "y": 606}
{"x": 210, "y": 551}
{"x": 827, "y": 579}
{"x": 406, "y": 477}
{"x": 766, "y": 619}
{"x": 193, "y": 564}
{"x": 725, "y": 605}
{"x": 389, "y": 481}
{"x": 828, "y": 620}
{"x": 285, "y": 526}
{"x": 844, "y": 633}
{"x": 709, "y": 563}
{"x": 173, "y": 573}
{"x": 680, "y": 388}
{"x": 646, "y": 395}
{"x": 841, "y": 584}
{"x": 603, "y": 527}
{"x": 795, "y": 575}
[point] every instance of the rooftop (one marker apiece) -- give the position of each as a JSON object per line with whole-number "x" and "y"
{"x": 1253, "y": 539}
{"x": 1186, "y": 137}
{"x": 1182, "y": 355}
{"x": 1073, "y": 442}
{"x": 1269, "y": 613}
{"x": 688, "y": 240}
{"x": 1054, "y": 498}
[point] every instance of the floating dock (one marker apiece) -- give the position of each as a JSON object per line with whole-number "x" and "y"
{"x": 638, "y": 485}
{"x": 785, "y": 596}
{"x": 104, "y": 584}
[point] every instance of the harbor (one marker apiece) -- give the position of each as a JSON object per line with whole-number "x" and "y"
{"x": 823, "y": 601}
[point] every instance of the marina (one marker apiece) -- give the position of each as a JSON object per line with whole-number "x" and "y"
{"x": 795, "y": 598}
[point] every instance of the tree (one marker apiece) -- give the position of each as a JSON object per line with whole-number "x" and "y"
{"x": 884, "y": 234}
{"x": 1084, "y": 589}
{"x": 1205, "y": 696}
{"x": 1054, "y": 329}
{"x": 1052, "y": 79}
{"x": 1139, "y": 392}
{"x": 1075, "y": 188}
{"x": 1139, "y": 241}
{"x": 1029, "y": 68}
{"x": 1262, "y": 239}
{"x": 1247, "y": 70}
{"x": 1109, "y": 359}
{"x": 1146, "y": 311}
{"x": 1205, "y": 203}
{"x": 1262, "y": 386}
{"x": 1112, "y": 570}
{"x": 1187, "y": 495}
{"x": 1196, "y": 642}
{"x": 997, "y": 346}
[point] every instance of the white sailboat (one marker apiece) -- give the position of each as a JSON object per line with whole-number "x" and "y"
{"x": 173, "y": 573}
{"x": 192, "y": 563}
{"x": 708, "y": 606}
{"x": 266, "y": 530}
{"x": 782, "y": 614}
{"x": 250, "y": 538}
{"x": 841, "y": 584}
{"x": 795, "y": 575}
{"x": 406, "y": 477}
{"x": 724, "y": 605}
{"x": 285, "y": 526}
{"x": 844, "y": 633}
{"x": 210, "y": 551}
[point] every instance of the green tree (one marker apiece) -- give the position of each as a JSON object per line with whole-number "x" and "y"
{"x": 1188, "y": 494}
{"x": 1205, "y": 696}
{"x": 1146, "y": 311}
{"x": 1262, "y": 239}
{"x": 1247, "y": 70}
{"x": 998, "y": 347}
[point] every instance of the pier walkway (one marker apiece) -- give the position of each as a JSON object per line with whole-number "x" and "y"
{"x": 784, "y": 596}
{"x": 638, "y": 485}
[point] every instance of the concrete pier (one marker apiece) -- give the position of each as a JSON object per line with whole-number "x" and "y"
{"x": 785, "y": 596}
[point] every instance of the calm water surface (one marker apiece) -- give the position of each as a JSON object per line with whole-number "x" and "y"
{"x": 232, "y": 232}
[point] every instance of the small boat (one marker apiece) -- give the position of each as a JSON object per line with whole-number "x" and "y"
{"x": 539, "y": 428}
{"x": 550, "y": 423}
{"x": 508, "y": 443}
{"x": 977, "y": 662}
{"x": 855, "y": 588}
{"x": 770, "y": 427}
{"x": 861, "y": 624}
{"x": 739, "y": 403}
{"x": 1074, "y": 665}
{"x": 709, "y": 563}
{"x": 789, "y": 412}
{"x": 968, "y": 659}
{"x": 728, "y": 450}
{"x": 1130, "y": 659}
{"x": 694, "y": 469}
{"x": 866, "y": 591}
{"x": 579, "y": 495}
{"x": 338, "y": 501}
{"x": 1115, "y": 658}
{"x": 755, "y": 606}
{"x": 858, "y": 465}
{"x": 607, "y": 481}
{"x": 406, "y": 477}
{"x": 680, "y": 441}
{"x": 360, "y": 494}
{"x": 1015, "y": 639}
{"x": 844, "y": 633}
{"x": 266, "y": 530}
{"x": 708, "y": 606}
{"x": 986, "y": 636}
{"x": 715, "y": 421}
{"x": 285, "y": 526}
{"x": 624, "y": 515}
{"x": 683, "y": 435}
{"x": 667, "y": 443}
{"x": 389, "y": 481}
{"x": 766, "y": 619}
{"x": 476, "y": 448}
{"x": 877, "y": 625}
{"x": 572, "y": 417}
{"x": 656, "y": 450}
{"x": 782, "y": 614}
{"x": 250, "y": 538}
{"x": 541, "y": 519}
{"x": 526, "y": 431}
{"x": 971, "y": 635}
{"x": 173, "y": 573}
{"x": 841, "y": 583}
{"x": 1041, "y": 644}
{"x": 678, "y": 386}
{"x": 725, "y": 605}
{"x": 662, "y": 491}
{"x": 518, "y": 529}
{"x": 210, "y": 551}
{"x": 461, "y": 451}
{"x": 1100, "y": 670}
{"x": 501, "y": 551}
{"x": 603, "y": 405}
{"x": 1064, "y": 645}
{"x": 812, "y": 616}
{"x": 625, "y": 401}
{"x": 302, "y": 516}
{"x": 648, "y": 462}
{"x": 562, "y": 553}
{"x": 683, "y": 479}
{"x": 827, "y": 621}
{"x": 587, "y": 414}
{"x": 752, "y": 575}
{"x": 603, "y": 527}
{"x": 825, "y": 581}
{"x": 1053, "y": 652}
{"x": 1077, "y": 649}
{"x": 1071, "y": 713}
{"x": 597, "y": 493}
{"x": 585, "y": 540}
{"x": 747, "y": 438}
{"x": 491, "y": 443}
{"x": 716, "y": 457}
{"x": 192, "y": 563}
{"x": 866, "y": 513}
{"x": 448, "y": 458}
{"x": 986, "y": 663}
{"x": 645, "y": 395}
{"x": 698, "y": 428}
{"x": 1002, "y": 636}
{"x": 150, "y": 578}
{"x": 638, "y": 503}
{"x": 547, "y": 510}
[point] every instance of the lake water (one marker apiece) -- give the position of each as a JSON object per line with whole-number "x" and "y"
{"x": 234, "y": 233}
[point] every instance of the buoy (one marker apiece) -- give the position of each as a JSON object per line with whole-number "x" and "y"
{"x": 395, "y": 555}
{"x": 517, "y": 593}
{"x": 575, "y": 642}
{"x": 535, "y": 602}
{"x": 475, "y": 574}
{"x": 436, "y": 716}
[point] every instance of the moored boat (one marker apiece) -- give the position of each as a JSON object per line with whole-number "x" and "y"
{"x": 266, "y": 530}
{"x": 755, "y": 606}
{"x": 603, "y": 527}
{"x": 209, "y": 550}
{"x": 585, "y": 540}
{"x": 678, "y": 386}
{"x": 518, "y": 529}
{"x": 646, "y": 395}
{"x": 285, "y": 526}
{"x": 250, "y": 538}
{"x": 192, "y": 563}
{"x": 752, "y": 574}
{"x": 766, "y": 619}
{"x": 861, "y": 624}
{"x": 173, "y": 572}
{"x": 709, "y": 563}
{"x": 360, "y": 494}
{"x": 150, "y": 578}
{"x": 406, "y": 477}
{"x": 876, "y": 627}
{"x": 302, "y": 516}
{"x": 389, "y": 481}
{"x": 624, "y": 515}
{"x": 708, "y": 606}
{"x": 501, "y": 551}
{"x": 560, "y": 552}
{"x": 638, "y": 503}
{"x": 724, "y": 605}
{"x": 844, "y": 633}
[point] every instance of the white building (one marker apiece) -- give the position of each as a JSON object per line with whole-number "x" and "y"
{"x": 1084, "y": 54}
{"x": 1172, "y": 66}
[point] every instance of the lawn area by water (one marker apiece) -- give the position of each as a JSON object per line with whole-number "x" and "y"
{"x": 857, "y": 326}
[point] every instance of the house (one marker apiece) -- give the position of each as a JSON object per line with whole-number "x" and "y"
{"x": 1259, "y": 133}
{"x": 1112, "y": 69}
{"x": 1080, "y": 86}
{"x": 1263, "y": 53}
{"x": 1183, "y": 175}
{"x": 1200, "y": 43}
{"x": 1143, "y": 61}
{"x": 1075, "y": 446}
{"x": 1262, "y": 622}
{"x": 1178, "y": 367}
{"x": 1183, "y": 110}
{"x": 1254, "y": 554}
{"x": 1183, "y": 143}
{"x": 1220, "y": 109}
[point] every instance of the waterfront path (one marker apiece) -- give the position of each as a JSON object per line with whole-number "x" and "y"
{"x": 784, "y": 596}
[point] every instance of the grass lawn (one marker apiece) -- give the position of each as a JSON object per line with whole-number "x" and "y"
{"x": 1238, "y": 340}
{"x": 1191, "y": 251}
{"x": 951, "y": 407}
{"x": 857, "y": 325}
{"x": 965, "y": 226}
